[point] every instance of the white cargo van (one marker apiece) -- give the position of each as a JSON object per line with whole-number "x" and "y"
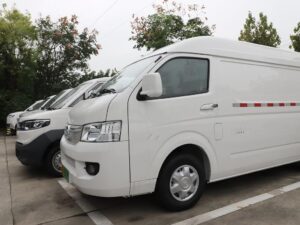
{"x": 47, "y": 105}
{"x": 12, "y": 118}
{"x": 39, "y": 134}
{"x": 198, "y": 111}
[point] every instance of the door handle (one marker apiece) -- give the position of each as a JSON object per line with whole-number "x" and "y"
{"x": 211, "y": 106}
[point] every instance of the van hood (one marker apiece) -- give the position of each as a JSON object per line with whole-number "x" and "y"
{"x": 91, "y": 110}
{"x": 16, "y": 113}
{"x": 27, "y": 113}
{"x": 52, "y": 114}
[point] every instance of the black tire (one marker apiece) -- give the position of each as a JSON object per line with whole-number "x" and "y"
{"x": 14, "y": 131}
{"x": 49, "y": 162}
{"x": 163, "y": 187}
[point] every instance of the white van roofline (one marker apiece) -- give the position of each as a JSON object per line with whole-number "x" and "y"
{"x": 233, "y": 49}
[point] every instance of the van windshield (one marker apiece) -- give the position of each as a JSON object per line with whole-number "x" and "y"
{"x": 52, "y": 100}
{"x": 61, "y": 102}
{"x": 36, "y": 105}
{"x": 122, "y": 80}
{"x": 48, "y": 99}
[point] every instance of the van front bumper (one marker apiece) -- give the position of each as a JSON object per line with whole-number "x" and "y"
{"x": 112, "y": 179}
{"x": 29, "y": 154}
{"x": 33, "y": 153}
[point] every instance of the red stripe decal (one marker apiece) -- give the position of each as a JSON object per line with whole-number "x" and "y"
{"x": 266, "y": 104}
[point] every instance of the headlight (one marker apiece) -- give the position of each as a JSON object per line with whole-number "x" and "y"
{"x": 11, "y": 115}
{"x": 73, "y": 133}
{"x": 102, "y": 132}
{"x": 33, "y": 124}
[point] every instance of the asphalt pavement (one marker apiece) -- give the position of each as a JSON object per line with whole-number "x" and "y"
{"x": 30, "y": 197}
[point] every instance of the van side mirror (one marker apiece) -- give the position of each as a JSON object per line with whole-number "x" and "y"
{"x": 30, "y": 109}
{"x": 152, "y": 85}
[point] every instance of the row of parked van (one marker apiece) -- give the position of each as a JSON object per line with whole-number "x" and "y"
{"x": 45, "y": 104}
{"x": 42, "y": 125}
{"x": 198, "y": 111}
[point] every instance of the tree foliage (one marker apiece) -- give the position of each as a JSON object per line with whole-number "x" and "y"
{"x": 171, "y": 22}
{"x": 295, "y": 38}
{"x": 17, "y": 36}
{"x": 261, "y": 32}
{"x": 40, "y": 58}
{"x": 62, "y": 53}
{"x": 93, "y": 75}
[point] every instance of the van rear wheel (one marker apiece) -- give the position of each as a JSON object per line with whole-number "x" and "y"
{"x": 53, "y": 162}
{"x": 181, "y": 182}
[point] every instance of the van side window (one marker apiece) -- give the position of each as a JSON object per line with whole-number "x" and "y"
{"x": 184, "y": 76}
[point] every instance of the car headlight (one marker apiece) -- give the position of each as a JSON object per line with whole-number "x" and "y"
{"x": 11, "y": 115}
{"x": 102, "y": 132}
{"x": 33, "y": 124}
{"x": 73, "y": 133}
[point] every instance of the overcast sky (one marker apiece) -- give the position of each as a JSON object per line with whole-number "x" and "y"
{"x": 112, "y": 19}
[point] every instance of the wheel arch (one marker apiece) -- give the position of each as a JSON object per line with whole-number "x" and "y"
{"x": 52, "y": 138}
{"x": 192, "y": 143}
{"x": 50, "y": 146}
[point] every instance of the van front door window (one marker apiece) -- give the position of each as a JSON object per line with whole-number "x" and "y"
{"x": 184, "y": 76}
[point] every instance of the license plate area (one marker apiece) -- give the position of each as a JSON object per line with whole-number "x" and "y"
{"x": 65, "y": 173}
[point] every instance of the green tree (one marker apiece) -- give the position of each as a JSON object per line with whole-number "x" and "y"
{"x": 62, "y": 53}
{"x": 88, "y": 75}
{"x": 107, "y": 73}
{"x": 261, "y": 32}
{"x": 170, "y": 23}
{"x": 17, "y": 37}
{"x": 40, "y": 59}
{"x": 295, "y": 38}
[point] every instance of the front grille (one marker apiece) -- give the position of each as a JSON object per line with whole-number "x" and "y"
{"x": 73, "y": 133}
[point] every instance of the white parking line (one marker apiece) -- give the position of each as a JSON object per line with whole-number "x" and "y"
{"x": 96, "y": 216}
{"x": 99, "y": 219}
{"x": 237, "y": 206}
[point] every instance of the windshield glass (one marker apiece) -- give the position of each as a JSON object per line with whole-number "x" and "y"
{"x": 48, "y": 99}
{"x": 36, "y": 105}
{"x": 92, "y": 93}
{"x": 122, "y": 80}
{"x": 61, "y": 102}
{"x": 52, "y": 100}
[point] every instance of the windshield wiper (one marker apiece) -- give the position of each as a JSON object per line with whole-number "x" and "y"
{"x": 109, "y": 90}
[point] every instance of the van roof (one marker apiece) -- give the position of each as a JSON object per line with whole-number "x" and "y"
{"x": 233, "y": 49}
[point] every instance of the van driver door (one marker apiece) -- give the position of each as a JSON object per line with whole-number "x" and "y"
{"x": 187, "y": 105}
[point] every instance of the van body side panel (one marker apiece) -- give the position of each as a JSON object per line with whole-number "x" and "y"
{"x": 159, "y": 126}
{"x": 260, "y": 116}
{"x": 118, "y": 111}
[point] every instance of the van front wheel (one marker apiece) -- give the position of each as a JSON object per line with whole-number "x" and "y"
{"x": 53, "y": 162}
{"x": 181, "y": 182}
